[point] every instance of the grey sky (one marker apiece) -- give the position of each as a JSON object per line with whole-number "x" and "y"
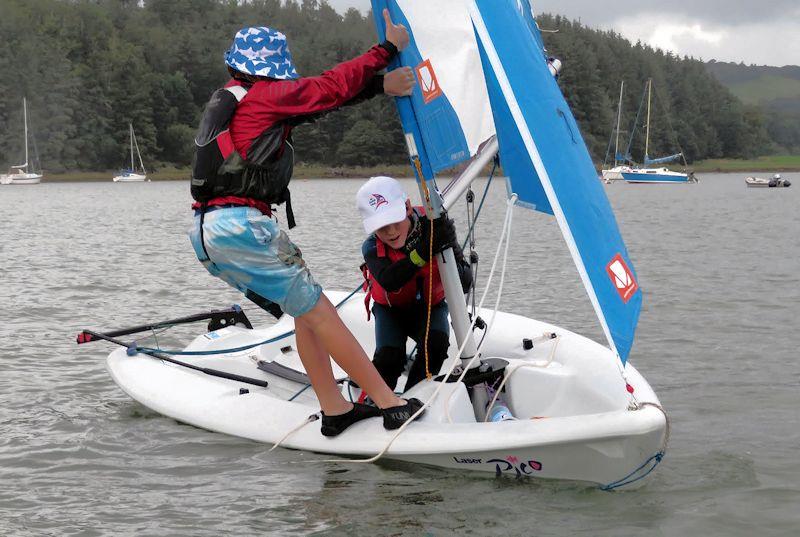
{"x": 752, "y": 31}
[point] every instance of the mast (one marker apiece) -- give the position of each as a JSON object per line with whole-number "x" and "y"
{"x": 130, "y": 125}
{"x": 619, "y": 118}
{"x": 647, "y": 134}
{"x": 139, "y": 153}
{"x": 25, "y": 121}
{"x": 434, "y": 207}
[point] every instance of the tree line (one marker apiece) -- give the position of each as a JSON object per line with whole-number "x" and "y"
{"x": 90, "y": 67}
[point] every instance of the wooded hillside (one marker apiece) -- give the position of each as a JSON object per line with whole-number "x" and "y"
{"x": 88, "y": 68}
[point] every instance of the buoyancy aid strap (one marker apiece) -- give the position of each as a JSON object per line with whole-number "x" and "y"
{"x": 237, "y": 91}
{"x": 380, "y": 247}
{"x": 203, "y": 208}
{"x": 224, "y": 140}
{"x": 225, "y": 144}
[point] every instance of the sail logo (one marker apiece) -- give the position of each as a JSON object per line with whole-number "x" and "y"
{"x": 622, "y": 277}
{"x": 428, "y": 82}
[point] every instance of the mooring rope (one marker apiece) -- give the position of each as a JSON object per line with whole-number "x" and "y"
{"x": 655, "y": 459}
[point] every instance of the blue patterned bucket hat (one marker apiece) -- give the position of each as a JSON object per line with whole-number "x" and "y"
{"x": 261, "y": 51}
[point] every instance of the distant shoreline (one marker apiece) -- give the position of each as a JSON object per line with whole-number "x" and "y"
{"x": 771, "y": 164}
{"x": 301, "y": 171}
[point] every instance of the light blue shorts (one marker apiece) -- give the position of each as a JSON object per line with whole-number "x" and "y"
{"x": 248, "y": 251}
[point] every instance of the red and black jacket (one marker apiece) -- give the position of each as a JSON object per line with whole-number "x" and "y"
{"x": 244, "y": 151}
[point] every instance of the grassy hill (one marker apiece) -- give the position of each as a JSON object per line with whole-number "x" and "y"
{"x": 773, "y": 88}
{"x": 776, "y": 90}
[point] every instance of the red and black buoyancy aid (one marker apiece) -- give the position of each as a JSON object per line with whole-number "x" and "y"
{"x": 415, "y": 290}
{"x": 219, "y": 171}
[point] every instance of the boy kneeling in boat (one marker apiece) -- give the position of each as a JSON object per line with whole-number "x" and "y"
{"x": 402, "y": 280}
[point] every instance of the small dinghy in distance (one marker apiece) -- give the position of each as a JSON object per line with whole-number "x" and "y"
{"x": 760, "y": 182}
{"x": 579, "y": 411}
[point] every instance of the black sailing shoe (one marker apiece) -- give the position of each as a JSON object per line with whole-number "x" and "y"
{"x": 335, "y": 425}
{"x": 394, "y": 417}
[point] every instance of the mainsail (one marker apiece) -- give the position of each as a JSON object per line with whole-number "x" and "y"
{"x": 663, "y": 160}
{"x": 498, "y": 51}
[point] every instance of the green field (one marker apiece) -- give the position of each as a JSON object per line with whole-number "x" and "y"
{"x": 766, "y": 89}
{"x": 775, "y": 163}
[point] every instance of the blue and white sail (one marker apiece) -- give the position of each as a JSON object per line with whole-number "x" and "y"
{"x": 448, "y": 116}
{"x": 549, "y": 167}
{"x": 482, "y": 70}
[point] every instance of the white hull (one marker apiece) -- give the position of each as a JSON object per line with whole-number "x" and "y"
{"x": 656, "y": 175}
{"x": 21, "y": 179}
{"x": 573, "y": 417}
{"x": 130, "y": 178}
{"x": 614, "y": 174}
{"x": 758, "y": 182}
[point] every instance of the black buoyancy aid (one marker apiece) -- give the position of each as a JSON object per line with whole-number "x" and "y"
{"x": 218, "y": 170}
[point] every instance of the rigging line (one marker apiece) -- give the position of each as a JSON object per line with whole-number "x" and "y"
{"x": 671, "y": 127}
{"x": 279, "y": 337}
{"x": 610, "y": 143}
{"x": 470, "y": 206}
{"x": 480, "y": 205}
{"x": 506, "y": 229}
{"x": 509, "y": 218}
{"x": 430, "y": 299}
{"x": 635, "y": 125}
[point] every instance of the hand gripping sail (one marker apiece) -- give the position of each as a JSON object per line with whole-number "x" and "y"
{"x": 448, "y": 114}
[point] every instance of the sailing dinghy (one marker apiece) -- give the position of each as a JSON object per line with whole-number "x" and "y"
{"x": 580, "y": 411}
{"x": 132, "y": 174}
{"x": 648, "y": 174}
{"x": 23, "y": 174}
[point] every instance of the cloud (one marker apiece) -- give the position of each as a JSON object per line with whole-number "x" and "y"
{"x": 720, "y": 12}
{"x": 753, "y": 31}
{"x": 770, "y": 43}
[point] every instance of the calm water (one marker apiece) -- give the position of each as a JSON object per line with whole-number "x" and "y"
{"x": 718, "y": 340}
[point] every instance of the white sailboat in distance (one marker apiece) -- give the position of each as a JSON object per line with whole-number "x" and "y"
{"x": 647, "y": 174}
{"x": 133, "y": 174}
{"x": 22, "y": 174}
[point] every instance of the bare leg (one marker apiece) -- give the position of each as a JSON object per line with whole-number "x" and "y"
{"x": 332, "y": 337}
{"x": 318, "y": 367}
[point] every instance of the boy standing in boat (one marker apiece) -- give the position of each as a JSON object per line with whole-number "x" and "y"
{"x": 243, "y": 164}
{"x": 401, "y": 279}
